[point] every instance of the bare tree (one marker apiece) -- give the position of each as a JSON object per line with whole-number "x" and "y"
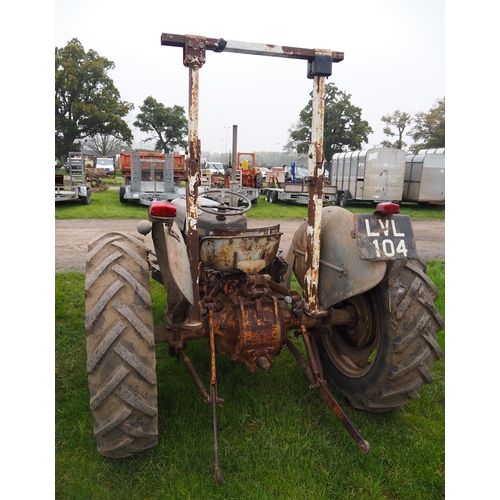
{"x": 103, "y": 144}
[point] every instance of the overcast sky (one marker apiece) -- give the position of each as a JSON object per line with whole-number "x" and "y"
{"x": 394, "y": 59}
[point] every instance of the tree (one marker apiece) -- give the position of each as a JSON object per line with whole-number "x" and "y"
{"x": 400, "y": 120}
{"x": 429, "y": 129}
{"x": 169, "y": 125}
{"x": 103, "y": 144}
{"x": 344, "y": 130}
{"x": 86, "y": 101}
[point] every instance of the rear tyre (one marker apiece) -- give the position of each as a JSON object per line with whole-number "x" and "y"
{"x": 122, "y": 194}
{"x": 121, "y": 363}
{"x": 86, "y": 198}
{"x": 258, "y": 181}
{"x": 382, "y": 360}
{"x": 343, "y": 199}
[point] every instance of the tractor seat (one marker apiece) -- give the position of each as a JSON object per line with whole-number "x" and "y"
{"x": 245, "y": 250}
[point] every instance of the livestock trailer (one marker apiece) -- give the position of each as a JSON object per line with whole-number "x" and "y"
{"x": 368, "y": 175}
{"x": 425, "y": 177}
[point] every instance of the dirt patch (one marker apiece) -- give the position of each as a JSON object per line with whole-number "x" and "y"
{"x": 73, "y": 236}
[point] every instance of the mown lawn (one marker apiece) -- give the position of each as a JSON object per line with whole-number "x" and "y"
{"x": 106, "y": 205}
{"x": 277, "y": 438}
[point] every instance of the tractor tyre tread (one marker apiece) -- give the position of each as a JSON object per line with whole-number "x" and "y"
{"x": 409, "y": 345}
{"x": 121, "y": 362}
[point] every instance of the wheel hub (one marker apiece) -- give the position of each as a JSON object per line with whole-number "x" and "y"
{"x": 353, "y": 347}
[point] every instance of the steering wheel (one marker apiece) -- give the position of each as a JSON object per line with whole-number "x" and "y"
{"x": 223, "y": 209}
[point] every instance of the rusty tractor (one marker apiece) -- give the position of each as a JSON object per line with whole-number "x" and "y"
{"x": 366, "y": 311}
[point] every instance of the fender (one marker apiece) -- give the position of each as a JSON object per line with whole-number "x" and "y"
{"x": 342, "y": 273}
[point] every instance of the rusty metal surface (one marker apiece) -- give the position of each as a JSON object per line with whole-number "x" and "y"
{"x": 172, "y": 259}
{"x": 263, "y": 49}
{"x": 342, "y": 273}
{"x": 192, "y": 183}
{"x": 257, "y": 231}
{"x": 315, "y": 204}
{"x": 249, "y": 253}
{"x": 178, "y": 261}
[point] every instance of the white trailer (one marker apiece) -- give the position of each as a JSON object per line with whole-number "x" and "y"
{"x": 374, "y": 175}
{"x": 289, "y": 183}
{"x": 424, "y": 180}
{"x": 297, "y": 193}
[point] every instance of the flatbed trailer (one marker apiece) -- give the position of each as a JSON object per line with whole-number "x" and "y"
{"x": 151, "y": 177}
{"x": 76, "y": 188}
{"x": 297, "y": 193}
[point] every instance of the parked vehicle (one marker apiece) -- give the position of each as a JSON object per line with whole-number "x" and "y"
{"x": 264, "y": 171}
{"x": 151, "y": 176}
{"x": 289, "y": 184}
{"x": 106, "y": 164}
{"x": 215, "y": 167}
{"x": 248, "y": 176}
{"x": 76, "y": 187}
{"x": 424, "y": 180}
{"x": 73, "y": 162}
{"x": 368, "y": 175}
{"x": 365, "y": 315}
{"x": 212, "y": 175}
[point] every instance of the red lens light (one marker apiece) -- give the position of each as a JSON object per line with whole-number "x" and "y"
{"x": 387, "y": 208}
{"x": 163, "y": 209}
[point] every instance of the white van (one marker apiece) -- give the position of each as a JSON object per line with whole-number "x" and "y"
{"x": 106, "y": 164}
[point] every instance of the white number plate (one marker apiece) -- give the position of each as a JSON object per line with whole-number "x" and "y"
{"x": 385, "y": 237}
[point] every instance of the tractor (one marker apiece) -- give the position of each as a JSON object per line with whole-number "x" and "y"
{"x": 247, "y": 172}
{"x": 365, "y": 312}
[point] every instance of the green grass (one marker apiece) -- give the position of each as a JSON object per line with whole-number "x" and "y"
{"x": 277, "y": 438}
{"x": 106, "y": 205}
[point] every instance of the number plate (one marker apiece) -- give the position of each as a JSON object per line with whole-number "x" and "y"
{"x": 385, "y": 237}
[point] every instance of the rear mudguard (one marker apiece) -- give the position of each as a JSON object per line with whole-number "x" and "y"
{"x": 342, "y": 273}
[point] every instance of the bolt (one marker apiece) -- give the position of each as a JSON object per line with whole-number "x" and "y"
{"x": 263, "y": 363}
{"x": 190, "y": 45}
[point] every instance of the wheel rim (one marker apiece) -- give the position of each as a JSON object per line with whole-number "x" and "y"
{"x": 353, "y": 348}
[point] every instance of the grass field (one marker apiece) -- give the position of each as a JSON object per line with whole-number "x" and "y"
{"x": 277, "y": 438}
{"x": 106, "y": 204}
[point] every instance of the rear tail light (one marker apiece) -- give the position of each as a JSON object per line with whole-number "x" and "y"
{"x": 162, "y": 209}
{"x": 387, "y": 208}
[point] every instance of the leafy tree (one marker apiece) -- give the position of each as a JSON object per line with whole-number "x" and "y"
{"x": 400, "y": 120}
{"x": 103, "y": 144}
{"x": 169, "y": 125}
{"x": 344, "y": 130}
{"x": 429, "y": 129}
{"x": 86, "y": 101}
